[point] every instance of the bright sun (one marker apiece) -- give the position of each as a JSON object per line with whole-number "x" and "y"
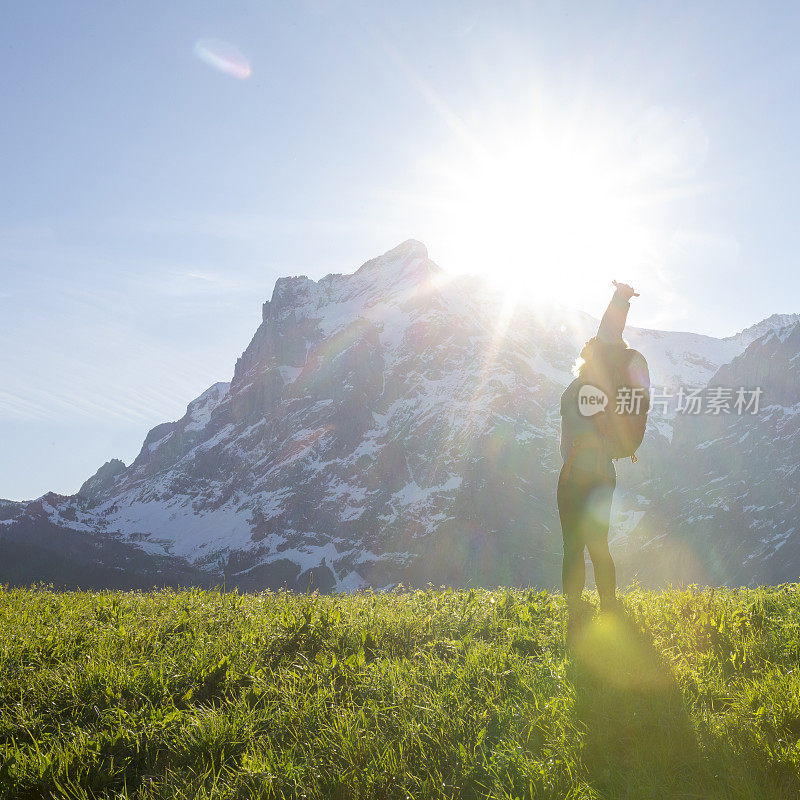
{"x": 552, "y": 211}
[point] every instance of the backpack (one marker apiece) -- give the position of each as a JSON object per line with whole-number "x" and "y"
{"x": 623, "y": 422}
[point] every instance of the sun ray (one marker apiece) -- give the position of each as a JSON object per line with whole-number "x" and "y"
{"x": 557, "y": 203}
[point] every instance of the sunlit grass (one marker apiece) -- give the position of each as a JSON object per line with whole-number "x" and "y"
{"x": 408, "y": 694}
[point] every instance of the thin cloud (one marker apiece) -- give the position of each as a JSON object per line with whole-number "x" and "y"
{"x": 185, "y": 283}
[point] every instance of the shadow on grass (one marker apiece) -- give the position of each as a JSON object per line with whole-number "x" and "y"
{"x": 639, "y": 739}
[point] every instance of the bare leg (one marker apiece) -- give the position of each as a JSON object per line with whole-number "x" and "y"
{"x": 605, "y": 574}
{"x": 573, "y": 572}
{"x": 570, "y": 512}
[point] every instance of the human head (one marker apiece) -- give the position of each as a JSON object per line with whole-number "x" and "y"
{"x": 598, "y": 357}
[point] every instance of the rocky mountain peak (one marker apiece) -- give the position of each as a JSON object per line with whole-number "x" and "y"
{"x": 290, "y": 291}
{"x": 405, "y": 252}
{"x": 770, "y": 363}
{"x": 405, "y": 265}
{"x": 102, "y": 480}
{"x": 771, "y": 323}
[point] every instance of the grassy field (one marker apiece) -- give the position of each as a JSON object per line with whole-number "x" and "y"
{"x": 687, "y": 694}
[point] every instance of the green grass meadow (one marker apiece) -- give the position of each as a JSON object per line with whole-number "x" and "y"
{"x": 410, "y": 694}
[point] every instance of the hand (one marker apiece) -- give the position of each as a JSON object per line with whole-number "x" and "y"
{"x": 625, "y": 291}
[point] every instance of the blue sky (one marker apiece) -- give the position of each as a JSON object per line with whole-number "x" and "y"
{"x": 150, "y": 200}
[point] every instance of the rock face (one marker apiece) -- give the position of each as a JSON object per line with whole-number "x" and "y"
{"x": 772, "y": 323}
{"x": 390, "y": 425}
{"x": 725, "y": 509}
{"x": 96, "y": 487}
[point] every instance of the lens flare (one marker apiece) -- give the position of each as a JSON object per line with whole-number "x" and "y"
{"x": 223, "y": 56}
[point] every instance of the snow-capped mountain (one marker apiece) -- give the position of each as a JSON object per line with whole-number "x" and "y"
{"x": 394, "y": 424}
{"x": 725, "y": 509}
{"x": 771, "y": 323}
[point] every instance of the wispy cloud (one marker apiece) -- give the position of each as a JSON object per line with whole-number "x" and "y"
{"x": 190, "y": 282}
{"x": 93, "y": 339}
{"x": 248, "y": 226}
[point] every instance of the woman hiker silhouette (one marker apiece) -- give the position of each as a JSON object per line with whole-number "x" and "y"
{"x": 588, "y": 478}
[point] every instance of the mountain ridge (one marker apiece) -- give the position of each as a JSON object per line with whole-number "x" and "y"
{"x": 385, "y": 425}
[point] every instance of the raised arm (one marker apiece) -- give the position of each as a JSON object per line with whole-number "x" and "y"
{"x": 613, "y": 322}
